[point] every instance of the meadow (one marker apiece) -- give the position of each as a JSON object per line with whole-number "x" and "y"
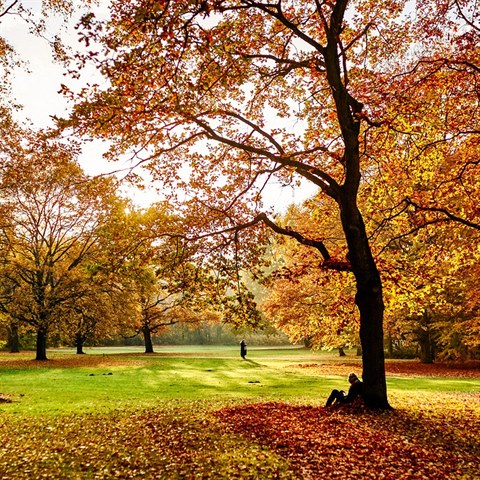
{"x": 203, "y": 412}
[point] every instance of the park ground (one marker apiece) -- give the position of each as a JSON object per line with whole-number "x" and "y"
{"x": 204, "y": 413}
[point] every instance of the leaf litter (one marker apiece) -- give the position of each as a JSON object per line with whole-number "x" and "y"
{"x": 426, "y": 437}
{"x": 434, "y": 438}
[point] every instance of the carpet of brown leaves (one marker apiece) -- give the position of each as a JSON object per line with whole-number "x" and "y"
{"x": 168, "y": 443}
{"x": 259, "y": 441}
{"x": 353, "y": 443}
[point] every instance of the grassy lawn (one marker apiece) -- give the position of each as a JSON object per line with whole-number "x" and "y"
{"x": 118, "y": 413}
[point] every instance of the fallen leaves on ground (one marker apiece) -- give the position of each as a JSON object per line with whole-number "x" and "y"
{"x": 437, "y": 440}
{"x": 399, "y": 368}
{"x": 426, "y": 438}
{"x": 170, "y": 442}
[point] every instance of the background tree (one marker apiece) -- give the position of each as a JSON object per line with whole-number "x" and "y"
{"x": 423, "y": 190}
{"x": 105, "y": 308}
{"x": 168, "y": 297}
{"x": 51, "y": 213}
{"x": 307, "y": 303}
{"x": 428, "y": 303}
{"x": 429, "y": 126}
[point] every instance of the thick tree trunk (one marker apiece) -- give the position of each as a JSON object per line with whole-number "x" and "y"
{"x": 341, "y": 352}
{"x": 307, "y": 342}
{"x": 13, "y": 342}
{"x": 41, "y": 344}
{"x": 370, "y": 305}
{"x": 368, "y": 296}
{"x": 79, "y": 344}
{"x": 390, "y": 346}
{"x": 425, "y": 340}
{"x": 427, "y": 350}
{"x": 369, "y": 300}
{"x": 148, "y": 340}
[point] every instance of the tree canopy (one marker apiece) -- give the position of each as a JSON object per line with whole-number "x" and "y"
{"x": 373, "y": 103}
{"x": 50, "y": 217}
{"x": 219, "y": 98}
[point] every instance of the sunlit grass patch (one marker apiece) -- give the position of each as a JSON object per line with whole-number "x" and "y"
{"x": 98, "y": 382}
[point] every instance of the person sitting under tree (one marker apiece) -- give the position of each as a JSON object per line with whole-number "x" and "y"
{"x": 339, "y": 396}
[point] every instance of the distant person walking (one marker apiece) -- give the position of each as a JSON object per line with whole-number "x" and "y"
{"x": 243, "y": 349}
{"x": 355, "y": 390}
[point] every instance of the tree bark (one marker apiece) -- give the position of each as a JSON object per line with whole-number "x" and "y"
{"x": 307, "y": 342}
{"x": 41, "y": 344}
{"x": 369, "y": 300}
{"x": 13, "y": 342}
{"x": 427, "y": 352}
{"x": 425, "y": 340}
{"x": 370, "y": 305}
{"x": 368, "y": 297}
{"x": 79, "y": 344}
{"x": 147, "y": 336}
{"x": 390, "y": 346}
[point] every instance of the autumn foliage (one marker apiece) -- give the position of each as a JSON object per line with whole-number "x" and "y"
{"x": 375, "y": 104}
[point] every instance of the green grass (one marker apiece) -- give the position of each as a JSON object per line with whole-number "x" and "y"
{"x": 118, "y": 413}
{"x": 98, "y": 382}
{"x": 142, "y": 381}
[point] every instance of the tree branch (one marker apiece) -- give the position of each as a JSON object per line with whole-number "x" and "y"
{"x": 315, "y": 175}
{"x": 445, "y": 212}
{"x": 5, "y": 12}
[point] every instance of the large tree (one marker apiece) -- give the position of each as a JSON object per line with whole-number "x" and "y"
{"x": 51, "y": 211}
{"x": 221, "y": 97}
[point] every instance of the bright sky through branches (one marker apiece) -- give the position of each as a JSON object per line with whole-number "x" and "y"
{"x": 36, "y": 87}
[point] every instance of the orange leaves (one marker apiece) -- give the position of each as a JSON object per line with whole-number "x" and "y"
{"x": 328, "y": 443}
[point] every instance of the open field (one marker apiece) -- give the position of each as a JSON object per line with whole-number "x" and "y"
{"x": 202, "y": 412}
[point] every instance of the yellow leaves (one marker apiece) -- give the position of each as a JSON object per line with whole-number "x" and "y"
{"x": 168, "y": 442}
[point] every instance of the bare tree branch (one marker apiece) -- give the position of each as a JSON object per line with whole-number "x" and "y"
{"x": 5, "y": 12}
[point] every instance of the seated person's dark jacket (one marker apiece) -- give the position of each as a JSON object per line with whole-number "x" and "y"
{"x": 355, "y": 390}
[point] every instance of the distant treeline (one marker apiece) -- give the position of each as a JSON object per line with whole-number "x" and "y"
{"x": 202, "y": 334}
{"x": 207, "y": 334}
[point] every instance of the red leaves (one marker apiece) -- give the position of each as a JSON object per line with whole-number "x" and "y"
{"x": 338, "y": 265}
{"x": 351, "y": 443}
{"x": 432, "y": 437}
